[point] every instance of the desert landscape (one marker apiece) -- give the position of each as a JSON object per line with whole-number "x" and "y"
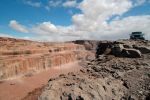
{"x": 75, "y": 70}
{"x": 27, "y": 65}
{"x": 74, "y": 49}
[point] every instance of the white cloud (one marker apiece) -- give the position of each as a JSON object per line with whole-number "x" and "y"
{"x": 50, "y": 4}
{"x": 54, "y": 3}
{"x": 44, "y": 28}
{"x": 94, "y": 18}
{"x": 18, "y": 27}
{"x": 123, "y": 27}
{"x": 47, "y": 8}
{"x": 138, "y": 2}
{"x": 5, "y": 35}
{"x": 26, "y": 38}
{"x": 72, "y": 3}
{"x": 103, "y": 9}
{"x": 33, "y": 4}
{"x": 60, "y": 3}
{"x": 93, "y": 23}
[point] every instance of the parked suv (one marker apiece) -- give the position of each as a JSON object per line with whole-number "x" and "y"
{"x": 137, "y": 35}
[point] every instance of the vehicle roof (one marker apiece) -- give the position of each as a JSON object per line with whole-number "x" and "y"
{"x": 136, "y": 32}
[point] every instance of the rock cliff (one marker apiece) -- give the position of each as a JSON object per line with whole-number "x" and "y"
{"x": 18, "y": 57}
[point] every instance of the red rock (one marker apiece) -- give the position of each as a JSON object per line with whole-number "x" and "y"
{"x": 18, "y": 56}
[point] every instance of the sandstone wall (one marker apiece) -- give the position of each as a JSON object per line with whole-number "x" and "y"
{"x": 18, "y": 57}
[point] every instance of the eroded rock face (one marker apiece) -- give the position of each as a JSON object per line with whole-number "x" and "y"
{"x": 123, "y": 49}
{"x": 18, "y": 57}
{"x": 106, "y": 78}
{"x": 132, "y": 53}
{"x": 102, "y": 48}
{"x": 142, "y": 49}
{"x": 88, "y": 44}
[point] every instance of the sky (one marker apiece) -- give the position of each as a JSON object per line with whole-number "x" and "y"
{"x": 66, "y": 20}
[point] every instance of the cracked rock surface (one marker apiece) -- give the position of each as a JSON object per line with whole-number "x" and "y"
{"x": 104, "y": 78}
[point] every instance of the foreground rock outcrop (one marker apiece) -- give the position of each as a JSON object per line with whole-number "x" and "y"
{"x": 106, "y": 78}
{"x": 122, "y": 49}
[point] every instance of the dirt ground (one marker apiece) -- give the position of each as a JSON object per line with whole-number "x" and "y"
{"x": 105, "y": 78}
{"x": 109, "y": 78}
{"x": 18, "y": 88}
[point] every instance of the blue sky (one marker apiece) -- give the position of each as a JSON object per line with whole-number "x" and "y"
{"x": 51, "y": 20}
{"x": 19, "y": 10}
{"x": 28, "y": 15}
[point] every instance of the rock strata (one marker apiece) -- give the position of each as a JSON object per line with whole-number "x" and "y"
{"x": 18, "y": 57}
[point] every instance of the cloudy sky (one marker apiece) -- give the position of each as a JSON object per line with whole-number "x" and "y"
{"x": 63, "y": 20}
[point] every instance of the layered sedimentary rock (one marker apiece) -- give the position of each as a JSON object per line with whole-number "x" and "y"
{"x": 88, "y": 44}
{"x": 18, "y": 57}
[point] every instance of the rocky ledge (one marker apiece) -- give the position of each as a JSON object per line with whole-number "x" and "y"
{"x": 107, "y": 77}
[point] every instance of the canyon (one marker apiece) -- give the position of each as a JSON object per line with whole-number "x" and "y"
{"x": 26, "y": 65}
{"x": 74, "y": 70}
{"x": 19, "y": 57}
{"x": 24, "y": 62}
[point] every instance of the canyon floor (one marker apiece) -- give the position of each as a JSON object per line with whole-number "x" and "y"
{"x": 70, "y": 71}
{"x": 18, "y": 88}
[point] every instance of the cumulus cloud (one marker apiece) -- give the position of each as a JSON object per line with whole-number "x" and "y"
{"x": 18, "y": 27}
{"x": 123, "y": 27}
{"x": 5, "y": 35}
{"x": 33, "y": 4}
{"x": 93, "y": 23}
{"x": 72, "y": 3}
{"x": 50, "y": 4}
{"x": 54, "y": 3}
{"x": 94, "y": 19}
{"x": 60, "y": 3}
{"x": 103, "y": 9}
{"x": 45, "y": 28}
{"x": 138, "y": 2}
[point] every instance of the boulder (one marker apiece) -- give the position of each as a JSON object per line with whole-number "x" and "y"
{"x": 143, "y": 49}
{"x": 107, "y": 51}
{"x": 117, "y": 49}
{"x": 127, "y": 46}
{"x": 132, "y": 53}
{"x": 103, "y": 48}
{"x": 120, "y": 50}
